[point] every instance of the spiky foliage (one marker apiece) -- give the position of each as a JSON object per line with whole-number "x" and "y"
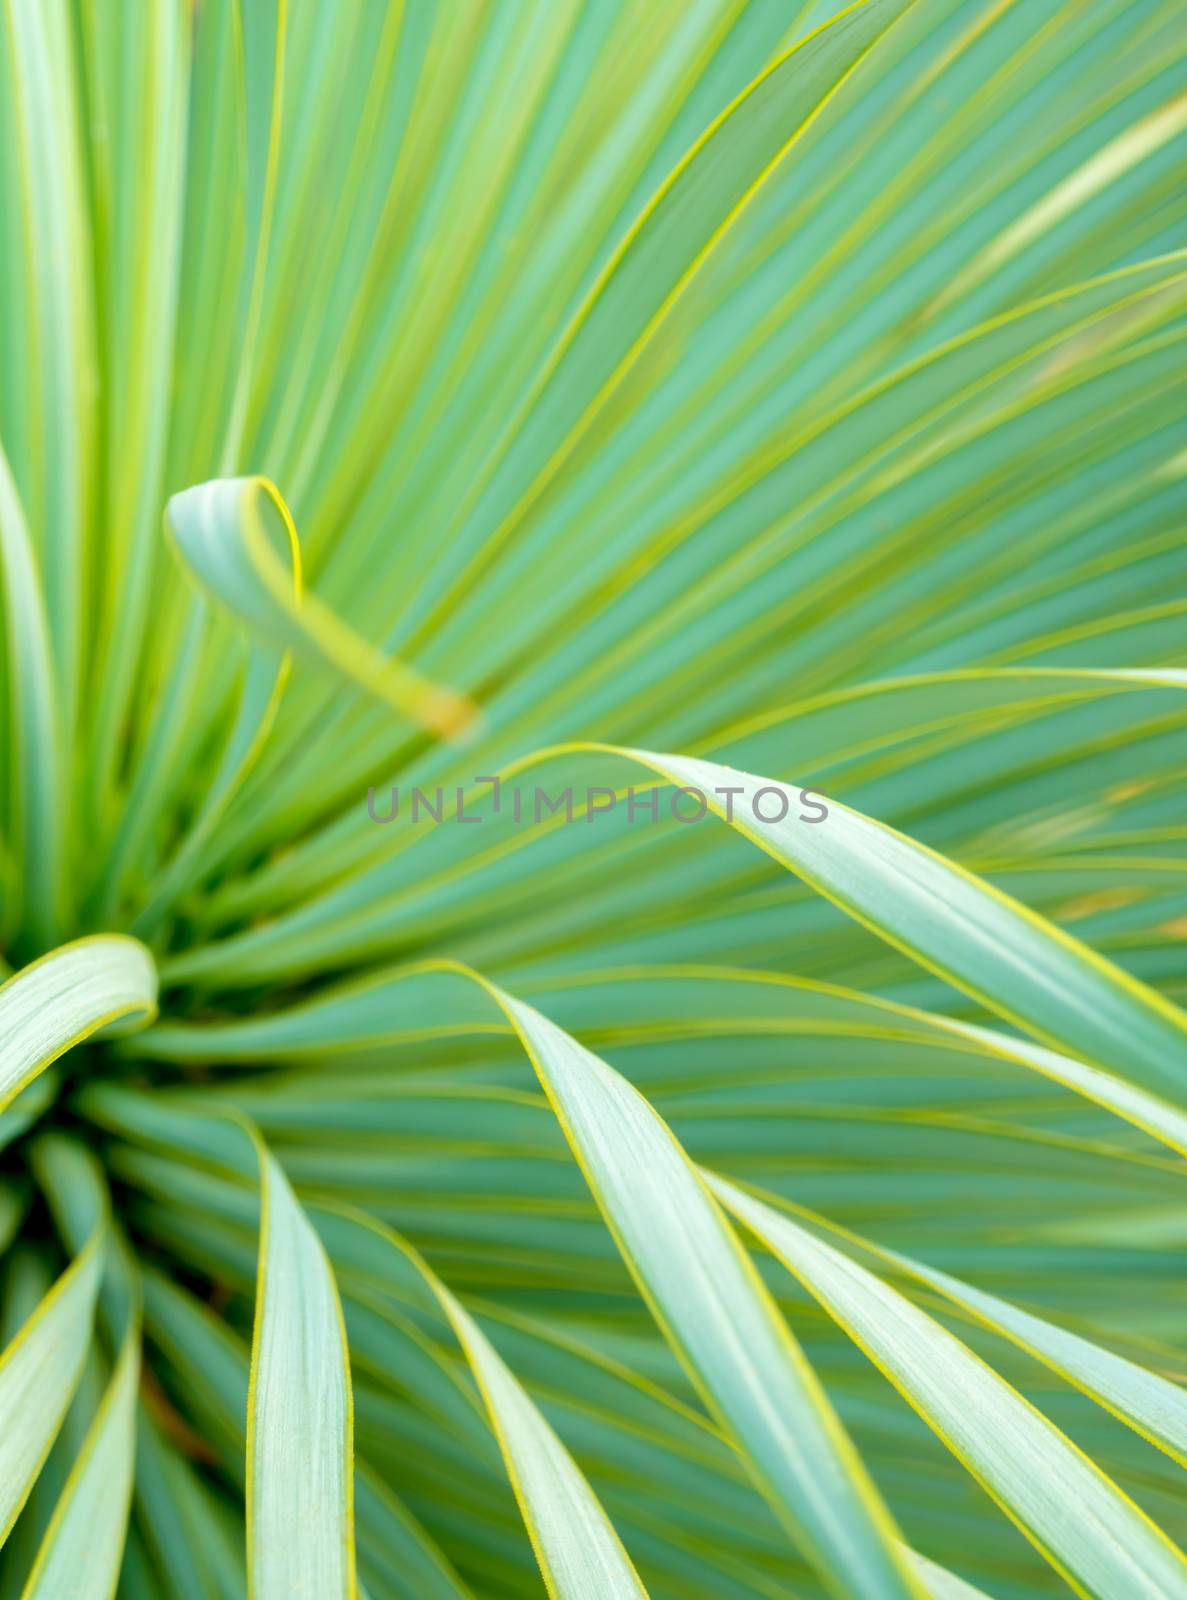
{"x": 614, "y": 397}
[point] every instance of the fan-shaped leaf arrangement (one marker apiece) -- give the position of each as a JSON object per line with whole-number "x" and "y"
{"x": 593, "y": 715}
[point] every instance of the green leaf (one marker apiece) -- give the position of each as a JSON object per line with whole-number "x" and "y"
{"x": 237, "y": 537}
{"x": 1151, "y": 1404}
{"x": 39, "y": 805}
{"x": 575, "y": 1543}
{"x": 798, "y": 391}
{"x": 943, "y": 1585}
{"x": 300, "y": 1420}
{"x": 41, "y": 82}
{"x": 263, "y": 683}
{"x": 80, "y": 1556}
{"x": 214, "y": 1368}
{"x": 580, "y": 1555}
{"x": 713, "y": 1308}
{"x": 67, "y": 996}
{"x": 136, "y": 69}
{"x": 262, "y": 32}
{"x": 579, "y": 1552}
{"x": 1089, "y": 1530}
{"x": 684, "y": 222}
{"x": 952, "y": 922}
{"x": 38, "y": 1374}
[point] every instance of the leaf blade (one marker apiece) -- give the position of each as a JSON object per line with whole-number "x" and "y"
{"x": 1089, "y": 1530}
{"x": 38, "y": 1374}
{"x": 579, "y": 1552}
{"x": 300, "y": 1413}
{"x": 83, "y": 1546}
{"x": 716, "y": 1314}
{"x": 957, "y": 925}
{"x": 229, "y": 532}
{"x": 65, "y": 997}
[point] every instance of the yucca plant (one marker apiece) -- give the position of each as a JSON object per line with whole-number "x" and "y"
{"x": 473, "y": 1118}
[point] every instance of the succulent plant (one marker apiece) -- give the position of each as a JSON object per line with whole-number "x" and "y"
{"x": 592, "y": 709}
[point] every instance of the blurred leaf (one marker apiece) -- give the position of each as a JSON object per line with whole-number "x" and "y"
{"x": 84, "y": 1542}
{"x": 38, "y": 1372}
{"x": 67, "y": 996}
{"x": 238, "y": 538}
